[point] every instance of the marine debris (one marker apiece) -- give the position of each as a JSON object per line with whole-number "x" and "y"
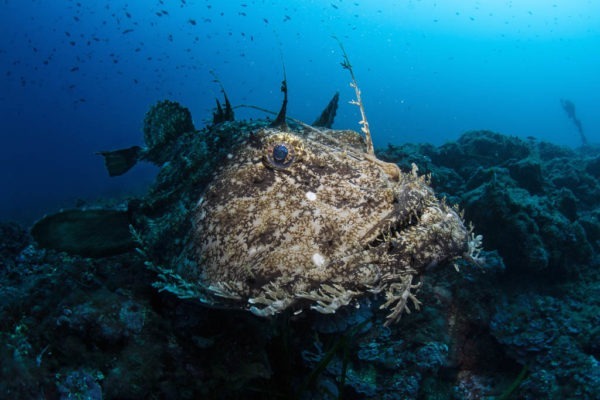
{"x": 569, "y": 108}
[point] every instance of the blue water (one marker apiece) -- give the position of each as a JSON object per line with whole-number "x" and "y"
{"x": 77, "y": 77}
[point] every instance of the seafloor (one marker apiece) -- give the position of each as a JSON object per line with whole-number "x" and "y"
{"x": 526, "y": 325}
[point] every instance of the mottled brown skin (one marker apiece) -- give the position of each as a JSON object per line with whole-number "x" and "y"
{"x": 321, "y": 226}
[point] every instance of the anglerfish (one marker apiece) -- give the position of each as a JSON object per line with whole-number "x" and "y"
{"x": 275, "y": 216}
{"x": 308, "y": 218}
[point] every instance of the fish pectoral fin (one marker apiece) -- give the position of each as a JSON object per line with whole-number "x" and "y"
{"x": 120, "y": 161}
{"x": 89, "y": 233}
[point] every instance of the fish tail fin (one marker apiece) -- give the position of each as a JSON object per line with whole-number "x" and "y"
{"x": 120, "y": 161}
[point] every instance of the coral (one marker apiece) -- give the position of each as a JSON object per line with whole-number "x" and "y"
{"x": 345, "y": 318}
{"x": 545, "y": 333}
{"x": 431, "y": 357}
{"x": 537, "y": 335}
{"x": 14, "y": 239}
{"x": 472, "y": 386}
{"x": 537, "y": 191}
{"x": 99, "y": 320}
{"x": 569, "y": 108}
{"x": 364, "y": 124}
{"x": 80, "y": 385}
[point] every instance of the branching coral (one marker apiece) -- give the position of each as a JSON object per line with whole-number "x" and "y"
{"x": 364, "y": 124}
{"x": 328, "y": 298}
{"x": 397, "y": 296}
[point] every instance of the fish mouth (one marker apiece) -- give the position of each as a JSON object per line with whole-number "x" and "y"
{"x": 391, "y": 229}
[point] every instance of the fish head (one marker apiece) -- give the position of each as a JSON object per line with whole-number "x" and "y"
{"x": 306, "y": 218}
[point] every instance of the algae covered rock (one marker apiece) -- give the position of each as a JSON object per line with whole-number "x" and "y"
{"x": 533, "y": 201}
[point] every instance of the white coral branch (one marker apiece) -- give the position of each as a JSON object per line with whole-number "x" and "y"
{"x": 397, "y": 296}
{"x": 474, "y": 247}
{"x": 273, "y": 297}
{"x": 328, "y": 298}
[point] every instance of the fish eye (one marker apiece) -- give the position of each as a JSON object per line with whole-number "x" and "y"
{"x": 280, "y": 155}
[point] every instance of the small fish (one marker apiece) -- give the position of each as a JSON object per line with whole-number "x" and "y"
{"x": 266, "y": 21}
{"x": 74, "y": 69}
{"x": 192, "y": 21}
{"x": 126, "y": 31}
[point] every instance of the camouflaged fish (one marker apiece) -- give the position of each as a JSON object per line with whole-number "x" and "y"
{"x": 269, "y": 216}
